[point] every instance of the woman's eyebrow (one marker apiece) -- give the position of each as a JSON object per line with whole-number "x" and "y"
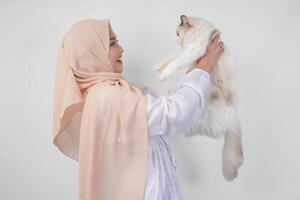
{"x": 112, "y": 38}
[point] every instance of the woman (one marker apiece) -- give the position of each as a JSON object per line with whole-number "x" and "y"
{"x": 110, "y": 127}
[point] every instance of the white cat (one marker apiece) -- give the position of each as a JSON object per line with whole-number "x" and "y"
{"x": 219, "y": 117}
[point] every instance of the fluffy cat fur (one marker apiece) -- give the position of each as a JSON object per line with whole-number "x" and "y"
{"x": 218, "y": 118}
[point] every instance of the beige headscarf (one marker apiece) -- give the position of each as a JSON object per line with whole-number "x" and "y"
{"x": 99, "y": 119}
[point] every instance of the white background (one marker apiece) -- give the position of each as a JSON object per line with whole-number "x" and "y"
{"x": 264, "y": 35}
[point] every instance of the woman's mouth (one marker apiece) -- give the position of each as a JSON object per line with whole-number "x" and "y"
{"x": 119, "y": 60}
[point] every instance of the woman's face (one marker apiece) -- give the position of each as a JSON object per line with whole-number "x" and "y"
{"x": 115, "y": 52}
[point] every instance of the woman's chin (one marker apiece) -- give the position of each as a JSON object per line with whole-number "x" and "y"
{"x": 118, "y": 67}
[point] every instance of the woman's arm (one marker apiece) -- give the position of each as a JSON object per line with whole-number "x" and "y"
{"x": 173, "y": 114}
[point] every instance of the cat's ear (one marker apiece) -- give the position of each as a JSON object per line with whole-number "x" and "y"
{"x": 184, "y": 20}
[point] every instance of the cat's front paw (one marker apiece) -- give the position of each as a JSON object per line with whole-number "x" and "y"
{"x": 163, "y": 76}
{"x": 160, "y": 66}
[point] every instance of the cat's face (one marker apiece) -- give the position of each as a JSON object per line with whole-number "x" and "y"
{"x": 190, "y": 29}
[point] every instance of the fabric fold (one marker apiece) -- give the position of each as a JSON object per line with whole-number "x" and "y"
{"x": 99, "y": 119}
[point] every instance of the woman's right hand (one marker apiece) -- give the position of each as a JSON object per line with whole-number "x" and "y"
{"x": 213, "y": 53}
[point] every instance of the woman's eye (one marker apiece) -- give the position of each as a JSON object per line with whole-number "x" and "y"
{"x": 114, "y": 42}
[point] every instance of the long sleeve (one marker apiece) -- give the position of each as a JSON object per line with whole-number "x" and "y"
{"x": 169, "y": 115}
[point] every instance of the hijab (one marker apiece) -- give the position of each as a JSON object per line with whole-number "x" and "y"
{"x": 99, "y": 119}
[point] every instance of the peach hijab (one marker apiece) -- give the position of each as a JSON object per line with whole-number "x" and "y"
{"x": 99, "y": 119}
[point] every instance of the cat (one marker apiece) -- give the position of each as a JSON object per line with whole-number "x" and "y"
{"x": 219, "y": 117}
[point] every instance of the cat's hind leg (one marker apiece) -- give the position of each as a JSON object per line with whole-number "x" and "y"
{"x": 232, "y": 153}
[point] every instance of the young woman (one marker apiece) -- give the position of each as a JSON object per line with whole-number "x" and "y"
{"x": 114, "y": 129}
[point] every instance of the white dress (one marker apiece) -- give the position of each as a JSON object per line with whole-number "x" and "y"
{"x": 170, "y": 115}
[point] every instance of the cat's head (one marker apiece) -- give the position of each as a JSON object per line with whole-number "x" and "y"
{"x": 193, "y": 28}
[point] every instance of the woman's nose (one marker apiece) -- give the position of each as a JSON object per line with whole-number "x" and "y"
{"x": 121, "y": 49}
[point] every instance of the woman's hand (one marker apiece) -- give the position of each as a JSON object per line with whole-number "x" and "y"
{"x": 213, "y": 53}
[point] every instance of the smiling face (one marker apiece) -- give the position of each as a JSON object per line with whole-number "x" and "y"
{"x": 115, "y": 52}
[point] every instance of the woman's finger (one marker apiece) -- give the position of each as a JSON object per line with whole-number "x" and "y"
{"x": 211, "y": 37}
{"x": 220, "y": 51}
{"x": 221, "y": 44}
{"x": 215, "y": 40}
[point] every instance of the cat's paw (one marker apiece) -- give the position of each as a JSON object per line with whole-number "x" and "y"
{"x": 160, "y": 66}
{"x": 233, "y": 156}
{"x": 231, "y": 163}
{"x": 163, "y": 76}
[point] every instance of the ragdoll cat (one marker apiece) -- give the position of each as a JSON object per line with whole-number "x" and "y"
{"x": 218, "y": 118}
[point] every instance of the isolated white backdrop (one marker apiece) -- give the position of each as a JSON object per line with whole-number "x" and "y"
{"x": 264, "y": 35}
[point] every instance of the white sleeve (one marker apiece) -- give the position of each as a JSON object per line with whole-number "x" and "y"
{"x": 173, "y": 114}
